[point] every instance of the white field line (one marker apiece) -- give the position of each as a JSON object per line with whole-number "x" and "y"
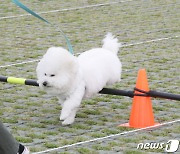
{"x": 20, "y": 63}
{"x": 107, "y": 137}
{"x": 150, "y": 41}
{"x": 69, "y": 9}
{"x": 127, "y": 45}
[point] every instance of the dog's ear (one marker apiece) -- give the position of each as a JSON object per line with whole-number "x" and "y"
{"x": 72, "y": 66}
{"x": 38, "y": 69}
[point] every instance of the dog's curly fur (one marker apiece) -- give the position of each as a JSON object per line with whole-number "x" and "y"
{"x": 73, "y": 78}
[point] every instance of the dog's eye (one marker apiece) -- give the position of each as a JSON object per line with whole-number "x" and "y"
{"x": 52, "y": 75}
{"x": 45, "y": 74}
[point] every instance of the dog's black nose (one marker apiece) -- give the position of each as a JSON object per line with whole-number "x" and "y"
{"x": 44, "y": 83}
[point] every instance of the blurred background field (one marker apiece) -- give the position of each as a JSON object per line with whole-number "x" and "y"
{"x": 149, "y": 31}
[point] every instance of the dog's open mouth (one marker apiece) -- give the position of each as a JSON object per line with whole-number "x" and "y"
{"x": 47, "y": 86}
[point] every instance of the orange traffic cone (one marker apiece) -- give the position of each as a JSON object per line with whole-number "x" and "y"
{"x": 141, "y": 113}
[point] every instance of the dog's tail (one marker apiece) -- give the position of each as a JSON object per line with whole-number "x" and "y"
{"x": 111, "y": 43}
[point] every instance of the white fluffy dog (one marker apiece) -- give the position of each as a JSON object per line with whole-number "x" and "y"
{"x": 73, "y": 78}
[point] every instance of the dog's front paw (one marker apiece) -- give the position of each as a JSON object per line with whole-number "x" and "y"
{"x": 68, "y": 121}
{"x": 62, "y": 117}
{"x": 64, "y": 114}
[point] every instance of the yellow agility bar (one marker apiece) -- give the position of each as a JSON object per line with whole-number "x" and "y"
{"x": 16, "y": 80}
